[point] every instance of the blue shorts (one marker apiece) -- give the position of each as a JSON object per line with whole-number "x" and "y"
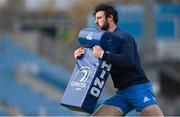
{"x": 135, "y": 97}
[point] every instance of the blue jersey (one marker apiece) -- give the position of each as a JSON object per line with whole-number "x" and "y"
{"x": 126, "y": 67}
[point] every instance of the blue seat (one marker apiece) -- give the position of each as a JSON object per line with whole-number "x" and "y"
{"x": 3, "y": 113}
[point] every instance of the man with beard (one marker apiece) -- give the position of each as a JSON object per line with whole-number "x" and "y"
{"x": 134, "y": 90}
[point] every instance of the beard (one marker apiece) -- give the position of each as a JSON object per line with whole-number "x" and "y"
{"x": 105, "y": 26}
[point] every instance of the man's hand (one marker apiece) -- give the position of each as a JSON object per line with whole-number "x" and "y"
{"x": 98, "y": 51}
{"x": 79, "y": 52}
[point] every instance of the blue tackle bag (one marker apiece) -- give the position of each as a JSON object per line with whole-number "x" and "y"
{"x": 90, "y": 74}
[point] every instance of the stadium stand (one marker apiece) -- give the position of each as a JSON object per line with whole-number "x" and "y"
{"x": 131, "y": 20}
{"x": 21, "y": 96}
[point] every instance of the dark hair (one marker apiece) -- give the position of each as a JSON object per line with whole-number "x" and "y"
{"x": 108, "y": 10}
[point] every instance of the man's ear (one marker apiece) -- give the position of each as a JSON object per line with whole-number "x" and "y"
{"x": 111, "y": 17}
